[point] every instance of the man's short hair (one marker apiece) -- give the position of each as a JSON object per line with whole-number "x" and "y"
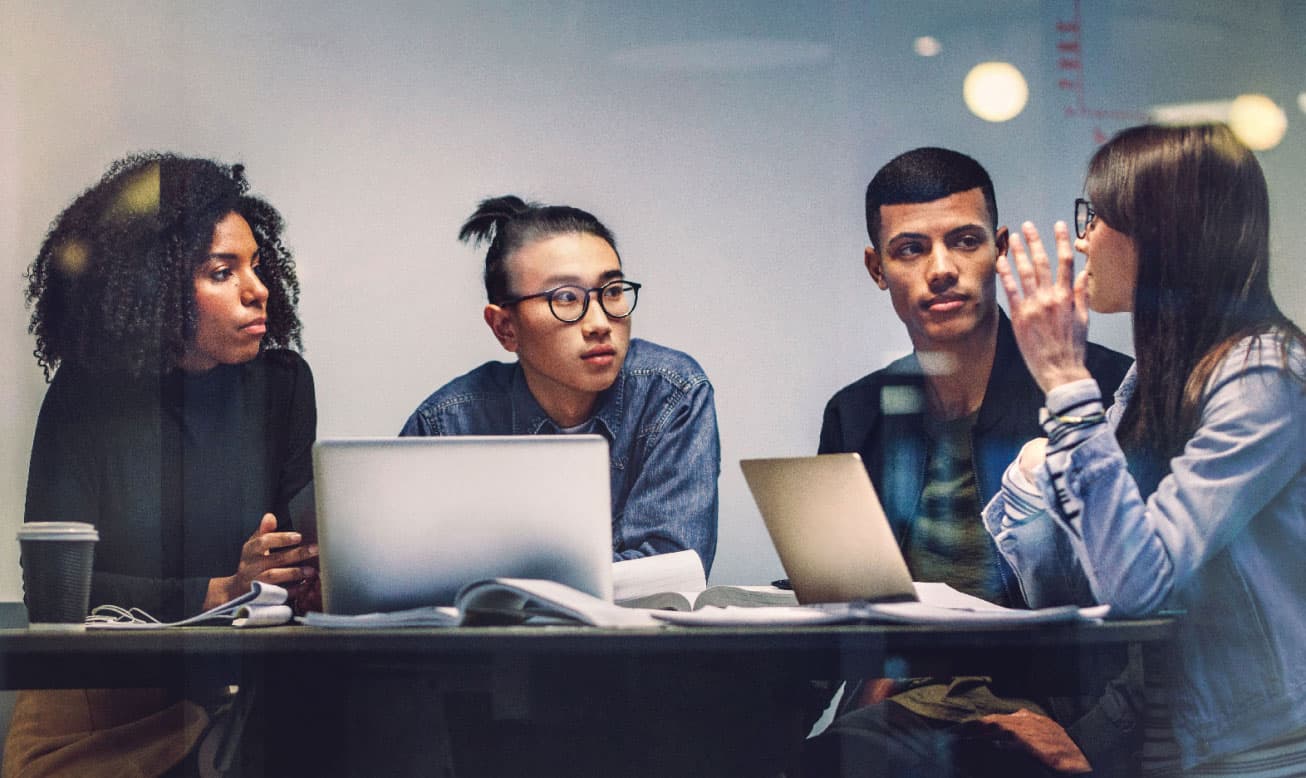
{"x": 924, "y": 175}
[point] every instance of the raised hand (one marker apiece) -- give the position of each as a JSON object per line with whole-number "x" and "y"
{"x": 1050, "y": 318}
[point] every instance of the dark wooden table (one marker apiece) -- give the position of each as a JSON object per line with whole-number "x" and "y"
{"x": 102, "y": 658}
{"x": 557, "y": 700}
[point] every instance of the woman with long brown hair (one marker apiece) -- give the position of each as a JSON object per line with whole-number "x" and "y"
{"x": 1190, "y": 492}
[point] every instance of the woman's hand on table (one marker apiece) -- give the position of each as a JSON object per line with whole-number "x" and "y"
{"x": 268, "y": 556}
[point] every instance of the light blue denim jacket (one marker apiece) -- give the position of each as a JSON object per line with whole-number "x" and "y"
{"x": 1222, "y": 538}
{"x": 660, "y": 422}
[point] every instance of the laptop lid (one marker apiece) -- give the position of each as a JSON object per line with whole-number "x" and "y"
{"x": 829, "y": 528}
{"x": 407, "y": 522}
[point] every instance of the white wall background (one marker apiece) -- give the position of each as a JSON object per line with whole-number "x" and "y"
{"x": 727, "y": 144}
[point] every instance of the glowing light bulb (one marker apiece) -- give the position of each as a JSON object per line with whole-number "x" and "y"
{"x": 1301, "y": 101}
{"x": 995, "y": 91}
{"x": 927, "y": 46}
{"x": 1257, "y": 121}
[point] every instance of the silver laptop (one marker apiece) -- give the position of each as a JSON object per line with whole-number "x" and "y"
{"x": 406, "y": 522}
{"x": 829, "y": 529}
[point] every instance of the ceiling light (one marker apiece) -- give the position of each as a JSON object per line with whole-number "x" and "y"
{"x": 1257, "y": 121}
{"x": 927, "y": 46}
{"x": 995, "y": 91}
{"x": 1191, "y": 113}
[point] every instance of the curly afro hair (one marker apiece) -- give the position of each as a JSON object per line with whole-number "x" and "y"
{"x": 113, "y": 287}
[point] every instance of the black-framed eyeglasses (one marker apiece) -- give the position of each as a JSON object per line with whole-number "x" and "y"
{"x": 1084, "y": 215}
{"x": 571, "y": 303}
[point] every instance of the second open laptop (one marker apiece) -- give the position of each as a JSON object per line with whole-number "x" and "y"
{"x": 407, "y": 522}
{"x": 829, "y": 529}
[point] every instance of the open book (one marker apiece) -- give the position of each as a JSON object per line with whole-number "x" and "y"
{"x": 498, "y": 601}
{"x": 671, "y": 589}
{"x": 938, "y": 603}
{"x": 676, "y": 582}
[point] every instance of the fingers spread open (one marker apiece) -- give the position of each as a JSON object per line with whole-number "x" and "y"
{"x": 1082, "y": 297}
{"x": 1008, "y": 279}
{"x": 1020, "y": 262}
{"x": 1065, "y": 256}
{"x": 1038, "y": 255}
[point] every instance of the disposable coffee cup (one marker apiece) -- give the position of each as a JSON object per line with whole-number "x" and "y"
{"x": 57, "y": 557}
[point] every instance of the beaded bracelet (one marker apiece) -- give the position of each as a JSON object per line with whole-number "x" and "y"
{"x": 1059, "y": 427}
{"x": 1073, "y": 421}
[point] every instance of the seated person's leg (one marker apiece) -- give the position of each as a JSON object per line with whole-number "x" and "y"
{"x": 883, "y": 739}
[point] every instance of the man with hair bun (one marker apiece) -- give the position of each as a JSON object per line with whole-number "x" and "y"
{"x": 559, "y": 299}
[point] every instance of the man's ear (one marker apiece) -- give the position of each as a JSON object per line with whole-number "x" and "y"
{"x": 501, "y": 323}
{"x": 1002, "y": 239}
{"x": 875, "y": 268}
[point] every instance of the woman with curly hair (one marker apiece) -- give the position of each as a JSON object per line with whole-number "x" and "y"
{"x": 178, "y": 421}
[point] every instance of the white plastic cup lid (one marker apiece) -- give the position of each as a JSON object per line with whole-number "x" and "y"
{"x": 57, "y": 530}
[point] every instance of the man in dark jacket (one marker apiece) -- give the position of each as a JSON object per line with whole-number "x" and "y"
{"x": 936, "y": 429}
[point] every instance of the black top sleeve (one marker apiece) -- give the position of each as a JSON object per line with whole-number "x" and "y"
{"x": 831, "y": 430}
{"x": 175, "y": 473}
{"x": 296, "y": 458}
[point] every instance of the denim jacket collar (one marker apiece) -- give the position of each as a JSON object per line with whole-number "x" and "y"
{"x": 528, "y": 418}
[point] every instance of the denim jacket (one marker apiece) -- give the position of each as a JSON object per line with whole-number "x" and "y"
{"x": 1221, "y": 538}
{"x": 659, "y": 419}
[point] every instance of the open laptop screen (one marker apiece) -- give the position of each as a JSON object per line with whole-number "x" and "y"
{"x": 829, "y": 528}
{"x": 406, "y": 522}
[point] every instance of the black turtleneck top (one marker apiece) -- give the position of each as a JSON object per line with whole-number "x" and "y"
{"x": 174, "y": 471}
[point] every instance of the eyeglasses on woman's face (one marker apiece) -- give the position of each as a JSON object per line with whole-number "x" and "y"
{"x": 1084, "y": 215}
{"x": 570, "y": 303}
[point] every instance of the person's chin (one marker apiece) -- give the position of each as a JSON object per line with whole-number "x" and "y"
{"x": 1105, "y": 306}
{"x": 242, "y": 356}
{"x": 598, "y": 378}
{"x": 952, "y": 326}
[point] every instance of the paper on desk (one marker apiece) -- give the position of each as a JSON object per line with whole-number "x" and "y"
{"x": 964, "y": 613}
{"x": 925, "y": 613}
{"x": 944, "y": 596}
{"x": 428, "y": 616}
{"x": 766, "y": 615}
{"x": 262, "y": 616}
{"x": 550, "y": 600}
{"x": 678, "y": 571}
{"x": 262, "y": 606}
{"x": 522, "y": 600}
